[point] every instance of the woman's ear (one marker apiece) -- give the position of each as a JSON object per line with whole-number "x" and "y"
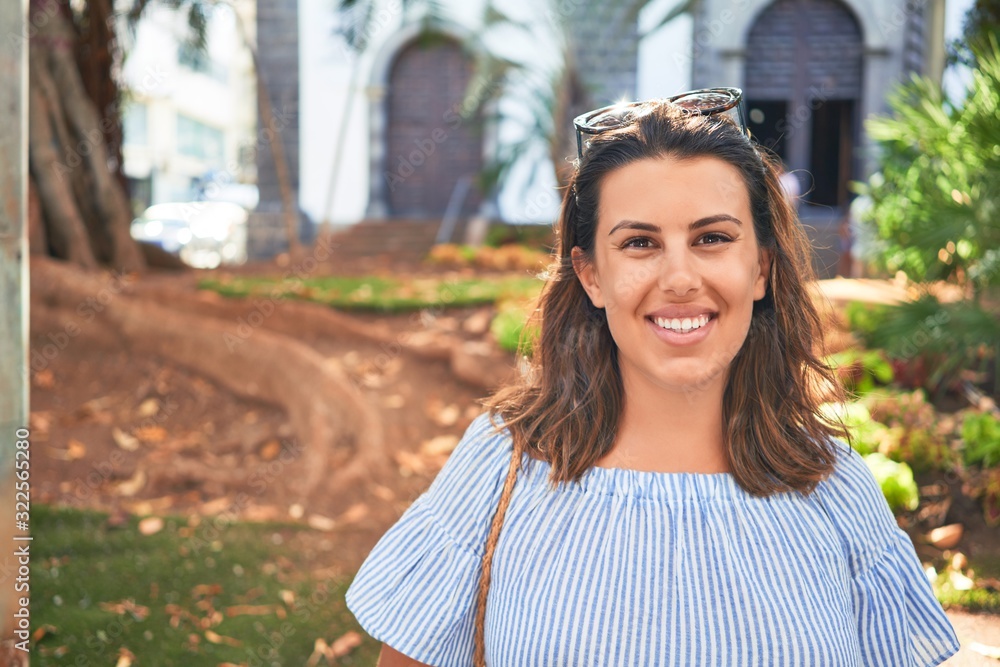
{"x": 587, "y": 274}
{"x": 764, "y": 277}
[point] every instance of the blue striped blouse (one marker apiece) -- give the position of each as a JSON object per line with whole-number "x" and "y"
{"x": 629, "y": 567}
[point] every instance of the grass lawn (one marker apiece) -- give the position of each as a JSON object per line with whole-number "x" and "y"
{"x": 381, "y": 293}
{"x": 211, "y": 593}
{"x": 207, "y": 594}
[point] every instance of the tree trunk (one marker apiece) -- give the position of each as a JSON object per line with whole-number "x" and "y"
{"x": 85, "y": 209}
{"x": 66, "y": 231}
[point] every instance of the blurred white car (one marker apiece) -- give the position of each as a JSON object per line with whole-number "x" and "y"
{"x": 205, "y": 234}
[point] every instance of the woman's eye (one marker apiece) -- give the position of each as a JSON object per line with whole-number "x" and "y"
{"x": 714, "y": 238}
{"x": 641, "y": 242}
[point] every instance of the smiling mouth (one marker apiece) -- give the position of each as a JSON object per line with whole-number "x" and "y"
{"x": 683, "y": 324}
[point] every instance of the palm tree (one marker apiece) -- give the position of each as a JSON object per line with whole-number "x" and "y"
{"x": 551, "y": 93}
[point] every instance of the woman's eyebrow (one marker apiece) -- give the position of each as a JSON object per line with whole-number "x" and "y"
{"x": 649, "y": 227}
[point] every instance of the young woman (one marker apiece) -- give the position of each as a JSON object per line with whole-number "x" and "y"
{"x": 661, "y": 488}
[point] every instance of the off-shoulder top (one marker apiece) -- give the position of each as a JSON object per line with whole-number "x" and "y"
{"x": 627, "y": 567}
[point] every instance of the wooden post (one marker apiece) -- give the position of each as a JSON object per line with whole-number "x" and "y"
{"x": 13, "y": 313}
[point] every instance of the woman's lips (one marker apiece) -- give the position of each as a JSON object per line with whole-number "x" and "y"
{"x": 689, "y": 331}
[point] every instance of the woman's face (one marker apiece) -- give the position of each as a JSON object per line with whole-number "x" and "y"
{"x": 676, "y": 268}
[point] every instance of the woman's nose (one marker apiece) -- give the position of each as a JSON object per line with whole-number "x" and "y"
{"x": 679, "y": 273}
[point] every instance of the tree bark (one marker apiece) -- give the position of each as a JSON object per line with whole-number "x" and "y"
{"x": 67, "y": 233}
{"x": 85, "y": 124}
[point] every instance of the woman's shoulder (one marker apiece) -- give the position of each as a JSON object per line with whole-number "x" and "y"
{"x": 853, "y": 500}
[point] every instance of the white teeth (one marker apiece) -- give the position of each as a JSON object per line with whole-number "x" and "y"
{"x": 683, "y": 325}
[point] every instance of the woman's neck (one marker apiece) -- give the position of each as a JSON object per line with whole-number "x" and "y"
{"x": 670, "y": 431}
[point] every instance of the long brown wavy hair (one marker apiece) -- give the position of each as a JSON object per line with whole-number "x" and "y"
{"x": 566, "y": 407}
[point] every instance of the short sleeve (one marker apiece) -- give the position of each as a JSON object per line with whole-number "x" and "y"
{"x": 899, "y": 620}
{"x": 416, "y": 589}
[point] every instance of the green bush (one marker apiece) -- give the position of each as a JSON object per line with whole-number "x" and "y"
{"x": 981, "y": 435}
{"x": 915, "y": 433}
{"x": 896, "y": 480}
{"x": 935, "y": 202}
{"x": 861, "y": 370}
{"x": 865, "y": 433}
{"x": 508, "y": 327}
{"x": 540, "y": 237}
{"x": 929, "y": 343}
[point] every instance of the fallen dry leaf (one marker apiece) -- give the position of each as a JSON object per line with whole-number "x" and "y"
{"x": 448, "y": 415}
{"x": 355, "y": 512}
{"x": 44, "y": 379}
{"x": 124, "y": 440}
{"x": 442, "y": 444}
{"x": 122, "y": 607}
{"x": 344, "y": 644}
{"x": 384, "y": 493}
{"x": 320, "y": 522}
{"x": 251, "y": 610}
{"x": 479, "y": 322}
{"x": 96, "y": 410}
{"x": 203, "y": 590}
{"x": 270, "y": 450}
{"x": 394, "y": 401}
{"x": 125, "y": 657}
{"x": 216, "y": 638}
{"x": 151, "y": 525}
{"x": 149, "y": 407}
{"x": 40, "y": 422}
{"x": 216, "y": 506}
{"x": 151, "y": 434}
{"x": 410, "y": 463}
{"x": 132, "y": 485}
{"x": 320, "y": 650}
{"x": 261, "y": 513}
{"x": 75, "y": 450}
{"x": 42, "y": 631}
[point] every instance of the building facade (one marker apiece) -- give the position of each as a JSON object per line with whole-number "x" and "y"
{"x": 189, "y": 115}
{"x": 812, "y": 70}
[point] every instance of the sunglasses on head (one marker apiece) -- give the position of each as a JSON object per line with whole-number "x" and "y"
{"x": 704, "y": 102}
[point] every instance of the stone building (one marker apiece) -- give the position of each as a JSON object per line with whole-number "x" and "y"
{"x": 811, "y": 70}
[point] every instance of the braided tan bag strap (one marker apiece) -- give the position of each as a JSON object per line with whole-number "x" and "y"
{"x": 479, "y": 638}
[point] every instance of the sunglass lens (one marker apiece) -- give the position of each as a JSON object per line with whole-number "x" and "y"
{"x": 613, "y": 117}
{"x": 706, "y": 102}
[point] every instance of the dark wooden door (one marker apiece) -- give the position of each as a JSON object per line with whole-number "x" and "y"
{"x": 434, "y": 139}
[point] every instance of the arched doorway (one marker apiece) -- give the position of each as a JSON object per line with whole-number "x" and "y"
{"x": 803, "y": 86}
{"x": 434, "y": 146}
